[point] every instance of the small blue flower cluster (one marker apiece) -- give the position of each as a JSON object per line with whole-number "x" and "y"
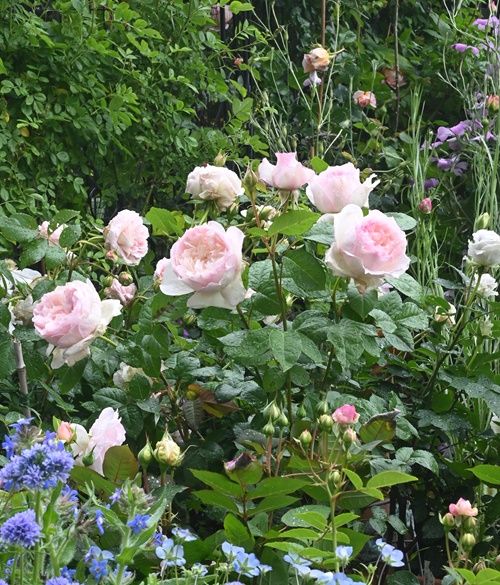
{"x": 171, "y": 554}
{"x": 61, "y": 581}
{"x": 97, "y": 561}
{"x": 302, "y": 568}
{"x": 138, "y": 523}
{"x": 243, "y": 563}
{"x": 41, "y": 466}
{"x": 389, "y": 554}
{"x": 22, "y": 529}
{"x": 13, "y": 443}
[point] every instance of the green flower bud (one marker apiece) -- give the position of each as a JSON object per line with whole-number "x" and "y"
{"x": 469, "y": 523}
{"x": 250, "y": 180}
{"x": 125, "y": 278}
{"x": 305, "y": 439}
{"x": 107, "y": 281}
{"x": 301, "y": 412}
{"x": 335, "y": 479}
{"x": 282, "y": 420}
{"x": 325, "y": 422}
{"x": 272, "y": 412}
{"x": 349, "y": 437}
{"x": 145, "y": 455}
{"x": 268, "y": 429}
{"x": 448, "y": 520}
{"x": 322, "y": 408}
{"x": 467, "y": 541}
{"x": 168, "y": 452}
{"x": 483, "y": 222}
{"x": 220, "y": 159}
{"x": 88, "y": 459}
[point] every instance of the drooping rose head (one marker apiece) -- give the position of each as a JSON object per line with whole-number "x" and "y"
{"x": 367, "y": 248}
{"x": 336, "y": 187}
{"x": 346, "y": 415}
{"x": 65, "y": 432}
{"x": 316, "y": 60}
{"x": 106, "y": 432}
{"x": 207, "y": 260}
{"x": 127, "y": 237}
{"x": 484, "y": 248}
{"x": 216, "y": 184}
{"x": 287, "y": 174}
{"x": 124, "y": 294}
{"x": 462, "y": 508}
{"x": 365, "y": 99}
{"x": 161, "y": 266}
{"x": 53, "y": 236}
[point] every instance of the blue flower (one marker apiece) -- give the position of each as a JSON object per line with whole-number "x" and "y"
{"x": 99, "y": 520}
{"x": 68, "y": 573}
{"x": 230, "y": 550}
{"x": 246, "y": 564}
{"x": 11, "y": 443}
{"x": 115, "y": 496}
{"x": 199, "y": 570}
{"x": 301, "y": 565}
{"x": 98, "y": 562}
{"x": 138, "y": 523}
{"x": 2, "y": 582}
{"x": 343, "y": 553}
{"x": 61, "y": 581}
{"x": 21, "y": 529}
{"x": 392, "y": 556}
{"x": 183, "y": 534}
{"x": 157, "y": 538}
{"x": 172, "y": 554}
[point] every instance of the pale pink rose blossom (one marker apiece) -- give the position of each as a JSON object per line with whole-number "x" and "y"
{"x": 65, "y": 432}
{"x": 53, "y": 236}
{"x": 287, "y": 174}
{"x": 127, "y": 237}
{"x": 365, "y": 99}
{"x": 316, "y": 60}
{"x": 367, "y": 248}
{"x": 336, "y": 187}
{"x": 70, "y": 317}
{"x": 462, "y": 508}
{"x": 206, "y": 261}
{"x": 125, "y": 294}
{"x": 106, "y": 432}
{"x": 161, "y": 266}
{"x": 214, "y": 184}
{"x": 346, "y": 415}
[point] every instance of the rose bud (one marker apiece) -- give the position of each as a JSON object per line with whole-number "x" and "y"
{"x": 425, "y": 205}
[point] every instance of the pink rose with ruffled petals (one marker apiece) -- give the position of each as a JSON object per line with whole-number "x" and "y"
{"x": 345, "y": 415}
{"x": 215, "y": 184}
{"x": 160, "y": 269}
{"x": 124, "y": 294}
{"x": 127, "y": 237}
{"x": 53, "y": 236}
{"x": 287, "y": 174}
{"x": 206, "y": 260}
{"x": 336, "y": 187}
{"x": 367, "y": 248}
{"x": 365, "y": 99}
{"x": 462, "y": 508}
{"x": 70, "y": 317}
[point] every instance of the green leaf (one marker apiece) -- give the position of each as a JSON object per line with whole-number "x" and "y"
{"x": 372, "y": 492}
{"x": 315, "y": 516}
{"x": 277, "y": 485}
{"x": 14, "y": 231}
{"x": 236, "y": 6}
{"x": 84, "y": 476}
{"x": 302, "y": 274}
{"x": 487, "y": 473}
{"x": 467, "y": 575}
{"x": 425, "y": 459}
{"x": 300, "y": 534}
{"x": 120, "y": 464}
{"x": 318, "y": 165}
{"x": 356, "y": 481}
{"x": 388, "y": 478}
{"x": 261, "y": 280}
{"x": 273, "y": 503}
{"x": 487, "y": 576}
{"x": 248, "y": 347}
{"x": 348, "y": 339}
{"x": 405, "y": 222}
{"x": 293, "y": 223}
{"x": 33, "y": 252}
{"x": 237, "y": 533}
{"x": 216, "y": 499}
{"x": 402, "y": 578}
{"x": 218, "y": 482}
{"x": 407, "y": 285}
{"x": 165, "y": 222}
{"x": 70, "y": 235}
{"x": 286, "y": 347}
{"x": 345, "y": 518}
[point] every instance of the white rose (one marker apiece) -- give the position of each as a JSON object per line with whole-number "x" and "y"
{"x": 487, "y": 286}
{"x": 215, "y": 184}
{"x": 484, "y": 248}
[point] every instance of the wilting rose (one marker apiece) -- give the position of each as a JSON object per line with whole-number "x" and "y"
{"x": 206, "y": 260}
{"x": 287, "y": 174}
{"x": 215, "y": 184}
{"x": 493, "y": 102}
{"x": 53, "y": 236}
{"x": 316, "y": 60}
{"x": 70, "y": 317}
{"x": 106, "y": 432}
{"x": 127, "y": 237}
{"x": 336, "y": 187}
{"x": 124, "y": 294}
{"x": 391, "y": 79}
{"x": 487, "y": 287}
{"x": 485, "y": 248}
{"x": 462, "y": 508}
{"x": 367, "y": 248}
{"x": 365, "y": 99}
{"x": 126, "y": 373}
{"x": 425, "y": 205}
{"x": 346, "y": 415}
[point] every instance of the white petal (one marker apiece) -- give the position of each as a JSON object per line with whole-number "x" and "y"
{"x": 172, "y": 285}
{"x": 266, "y": 170}
{"x": 109, "y": 308}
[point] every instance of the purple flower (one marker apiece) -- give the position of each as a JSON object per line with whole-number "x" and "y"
{"x": 138, "y": 523}
{"x": 462, "y": 48}
{"x": 2, "y": 582}
{"x": 430, "y": 184}
{"x": 392, "y": 556}
{"x": 21, "y": 529}
{"x": 483, "y": 23}
{"x": 115, "y": 496}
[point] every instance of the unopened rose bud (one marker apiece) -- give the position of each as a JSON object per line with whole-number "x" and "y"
{"x": 365, "y": 99}
{"x": 448, "y": 520}
{"x": 167, "y": 452}
{"x": 325, "y": 422}
{"x": 145, "y": 455}
{"x": 88, "y": 459}
{"x": 349, "y": 437}
{"x": 467, "y": 541}
{"x": 469, "y": 523}
{"x": 125, "y": 278}
{"x": 110, "y": 255}
{"x": 65, "y": 432}
{"x": 268, "y": 429}
{"x": 322, "y": 407}
{"x": 483, "y": 221}
{"x": 335, "y": 479}
{"x": 250, "y": 180}
{"x": 220, "y": 159}
{"x": 305, "y": 439}
{"x": 493, "y": 102}
{"x": 282, "y": 420}
{"x": 425, "y": 205}
{"x": 302, "y": 411}
{"x": 272, "y": 411}
{"x": 238, "y": 61}
{"x": 107, "y": 281}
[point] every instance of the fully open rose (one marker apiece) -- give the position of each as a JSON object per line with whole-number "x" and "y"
{"x": 215, "y": 184}
{"x": 127, "y": 237}
{"x": 336, "y": 187}
{"x": 367, "y": 248}
{"x": 70, "y": 317}
{"x": 287, "y": 174}
{"x": 206, "y": 260}
{"x": 485, "y": 248}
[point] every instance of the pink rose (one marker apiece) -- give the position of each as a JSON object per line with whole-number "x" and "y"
{"x": 65, "y": 432}
{"x": 70, "y": 317}
{"x": 287, "y": 174}
{"x": 53, "y": 236}
{"x": 462, "y": 508}
{"x": 208, "y": 261}
{"x": 425, "y": 205}
{"x": 125, "y": 294}
{"x": 216, "y": 184}
{"x": 346, "y": 415}
{"x": 365, "y": 99}
{"x": 106, "y": 432}
{"x": 367, "y": 248}
{"x": 316, "y": 60}
{"x": 336, "y": 187}
{"x": 160, "y": 269}
{"x": 127, "y": 236}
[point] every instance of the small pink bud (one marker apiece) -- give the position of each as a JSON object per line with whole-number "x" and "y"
{"x": 425, "y": 205}
{"x": 65, "y": 432}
